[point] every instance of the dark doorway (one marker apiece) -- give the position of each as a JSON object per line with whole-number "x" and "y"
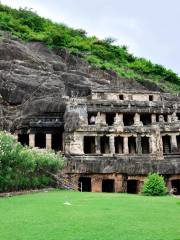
{"x": 132, "y": 145}
{"x": 132, "y": 186}
{"x": 176, "y": 185}
{"x": 84, "y": 184}
{"x": 104, "y": 143}
{"x": 178, "y": 143}
{"x": 119, "y": 145}
{"x": 40, "y": 140}
{"x": 107, "y": 185}
{"x": 166, "y": 144}
{"x": 151, "y": 97}
{"x": 110, "y": 118}
{"x": 145, "y": 145}
{"x": 145, "y": 119}
{"x": 23, "y": 139}
{"x": 89, "y": 145}
{"x": 57, "y": 141}
{"x": 178, "y": 115}
{"x": 128, "y": 119}
{"x": 121, "y": 97}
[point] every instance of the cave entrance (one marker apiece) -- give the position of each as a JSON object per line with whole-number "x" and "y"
{"x": 176, "y": 185}
{"x": 145, "y": 119}
{"x": 89, "y": 145}
{"x": 57, "y": 141}
{"x": 132, "y": 145}
{"x": 132, "y": 186}
{"x": 118, "y": 145}
{"x": 110, "y": 118}
{"x": 166, "y": 144}
{"x": 23, "y": 139}
{"x": 128, "y": 119}
{"x": 145, "y": 145}
{"x": 178, "y": 143}
{"x": 40, "y": 140}
{"x": 107, "y": 185}
{"x": 104, "y": 144}
{"x": 84, "y": 184}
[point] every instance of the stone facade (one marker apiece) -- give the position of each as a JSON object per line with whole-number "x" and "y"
{"x": 112, "y": 139}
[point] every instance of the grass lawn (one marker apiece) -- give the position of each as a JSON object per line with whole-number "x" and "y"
{"x": 92, "y": 216}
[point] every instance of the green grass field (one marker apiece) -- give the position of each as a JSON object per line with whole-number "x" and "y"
{"x": 92, "y": 216}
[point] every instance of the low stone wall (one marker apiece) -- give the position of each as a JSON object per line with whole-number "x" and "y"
{"x": 24, "y": 192}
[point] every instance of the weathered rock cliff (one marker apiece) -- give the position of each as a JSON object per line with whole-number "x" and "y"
{"x": 35, "y": 79}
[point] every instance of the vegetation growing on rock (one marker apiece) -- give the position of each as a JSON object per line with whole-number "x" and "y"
{"x": 103, "y": 54}
{"x": 25, "y": 168}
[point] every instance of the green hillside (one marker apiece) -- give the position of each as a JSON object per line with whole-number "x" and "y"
{"x": 103, "y": 54}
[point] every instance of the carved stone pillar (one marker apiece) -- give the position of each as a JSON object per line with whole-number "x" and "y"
{"x": 48, "y": 141}
{"x": 161, "y": 118}
{"x": 169, "y": 118}
{"x": 98, "y": 119}
{"x": 103, "y": 118}
{"x": 118, "y": 120}
{"x": 137, "y": 121}
{"x": 173, "y": 143}
{"x": 32, "y": 140}
{"x": 126, "y": 147}
{"x": 111, "y": 144}
{"x": 152, "y": 143}
{"x": 138, "y": 143}
{"x": 153, "y": 118}
{"x": 174, "y": 117}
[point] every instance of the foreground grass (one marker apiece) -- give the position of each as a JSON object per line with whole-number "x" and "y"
{"x": 92, "y": 216}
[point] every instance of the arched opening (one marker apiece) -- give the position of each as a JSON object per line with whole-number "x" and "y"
{"x": 132, "y": 186}
{"x": 176, "y": 185}
{"x": 40, "y": 140}
{"x": 84, "y": 184}
{"x": 107, "y": 185}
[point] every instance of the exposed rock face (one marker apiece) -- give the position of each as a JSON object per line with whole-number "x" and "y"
{"x": 35, "y": 79}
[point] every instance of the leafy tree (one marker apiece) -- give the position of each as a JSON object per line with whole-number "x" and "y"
{"x": 154, "y": 185}
{"x": 25, "y": 168}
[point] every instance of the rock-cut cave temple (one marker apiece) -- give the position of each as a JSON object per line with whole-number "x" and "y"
{"x": 112, "y": 138}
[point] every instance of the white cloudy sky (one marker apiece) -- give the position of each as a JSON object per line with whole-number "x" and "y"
{"x": 150, "y": 28}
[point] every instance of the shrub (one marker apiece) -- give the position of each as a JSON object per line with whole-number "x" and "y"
{"x": 26, "y": 168}
{"x": 154, "y": 185}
